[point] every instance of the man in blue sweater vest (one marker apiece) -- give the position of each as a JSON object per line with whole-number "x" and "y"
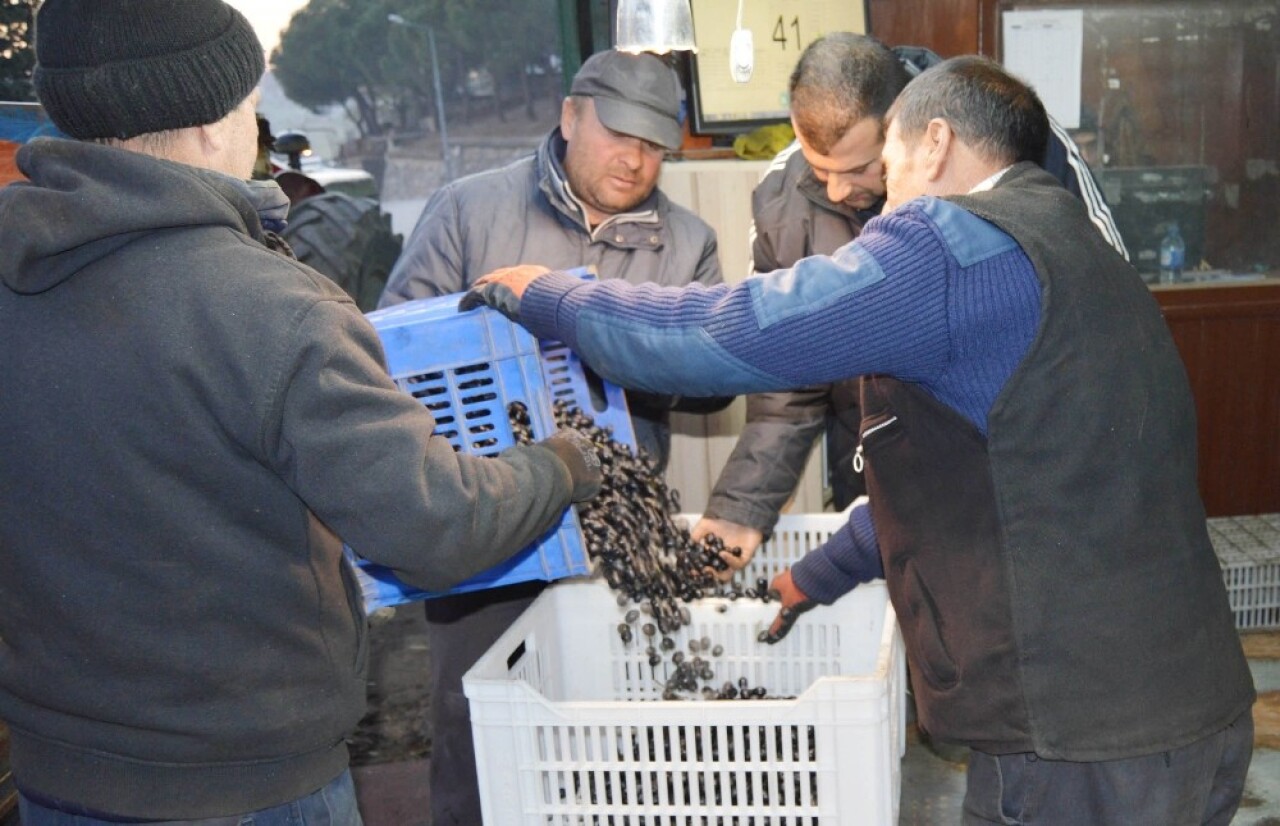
{"x": 1028, "y": 439}
{"x": 815, "y": 197}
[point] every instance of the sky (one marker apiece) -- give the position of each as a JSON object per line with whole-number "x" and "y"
{"x": 268, "y": 17}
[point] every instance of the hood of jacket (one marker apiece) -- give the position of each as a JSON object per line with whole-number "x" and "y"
{"x": 85, "y": 200}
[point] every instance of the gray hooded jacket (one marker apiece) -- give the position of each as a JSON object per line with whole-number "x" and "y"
{"x": 189, "y": 423}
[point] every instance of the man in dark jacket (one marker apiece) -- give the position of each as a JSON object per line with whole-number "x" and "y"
{"x": 815, "y": 198}
{"x": 1029, "y": 443}
{"x": 588, "y": 196}
{"x": 191, "y": 426}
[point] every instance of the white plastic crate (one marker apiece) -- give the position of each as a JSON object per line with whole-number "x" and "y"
{"x": 1248, "y": 548}
{"x": 570, "y": 726}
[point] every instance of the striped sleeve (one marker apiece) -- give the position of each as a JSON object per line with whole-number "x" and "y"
{"x": 1085, "y": 186}
{"x": 777, "y": 166}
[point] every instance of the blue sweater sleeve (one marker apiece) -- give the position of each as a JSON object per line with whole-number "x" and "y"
{"x": 878, "y": 305}
{"x": 848, "y": 559}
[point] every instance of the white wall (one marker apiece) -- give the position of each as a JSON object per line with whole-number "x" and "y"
{"x": 720, "y": 192}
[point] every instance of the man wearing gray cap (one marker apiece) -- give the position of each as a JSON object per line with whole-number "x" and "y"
{"x": 588, "y": 196}
{"x": 191, "y": 426}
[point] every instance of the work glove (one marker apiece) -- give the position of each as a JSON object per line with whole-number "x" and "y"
{"x": 579, "y": 455}
{"x": 794, "y": 603}
{"x": 492, "y": 294}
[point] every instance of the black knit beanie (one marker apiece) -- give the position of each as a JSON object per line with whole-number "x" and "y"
{"x": 120, "y": 68}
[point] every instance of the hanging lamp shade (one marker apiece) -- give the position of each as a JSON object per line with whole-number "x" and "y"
{"x": 658, "y": 26}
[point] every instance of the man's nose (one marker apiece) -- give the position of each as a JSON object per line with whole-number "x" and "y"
{"x": 839, "y": 187}
{"x": 633, "y": 154}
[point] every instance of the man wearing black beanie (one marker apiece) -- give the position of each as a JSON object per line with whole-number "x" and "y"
{"x": 192, "y": 424}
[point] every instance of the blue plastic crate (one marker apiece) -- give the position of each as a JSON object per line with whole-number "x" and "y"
{"x": 466, "y": 368}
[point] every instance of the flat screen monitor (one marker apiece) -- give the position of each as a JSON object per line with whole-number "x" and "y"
{"x": 780, "y": 29}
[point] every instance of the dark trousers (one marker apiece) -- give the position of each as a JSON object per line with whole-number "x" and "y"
{"x": 460, "y": 629}
{"x": 1197, "y": 784}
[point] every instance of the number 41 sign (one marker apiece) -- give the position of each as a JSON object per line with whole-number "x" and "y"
{"x": 780, "y": 30}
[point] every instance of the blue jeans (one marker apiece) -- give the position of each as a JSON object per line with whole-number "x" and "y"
{"x": 333, "y": 805}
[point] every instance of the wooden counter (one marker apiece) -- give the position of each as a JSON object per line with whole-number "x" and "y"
{"x": 1229, "y": 338}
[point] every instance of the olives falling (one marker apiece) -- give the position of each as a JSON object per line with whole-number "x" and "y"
{"x": 648, "y": 559}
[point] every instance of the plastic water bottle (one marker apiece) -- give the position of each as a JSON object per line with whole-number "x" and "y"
{"x": 1173, "y": 253}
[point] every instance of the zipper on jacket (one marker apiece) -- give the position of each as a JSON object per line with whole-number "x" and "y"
{"x": 857, "y": 454}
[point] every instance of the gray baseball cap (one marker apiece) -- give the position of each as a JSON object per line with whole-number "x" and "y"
{"x": 635, "y": 94}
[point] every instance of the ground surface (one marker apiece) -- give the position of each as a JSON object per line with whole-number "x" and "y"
{"x": 395, "y": 727}
{"x": 1265, "y": 647}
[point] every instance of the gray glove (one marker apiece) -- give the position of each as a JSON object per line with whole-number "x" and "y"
{"x": 580, "y": 456}
{"x": 492, "y": 294}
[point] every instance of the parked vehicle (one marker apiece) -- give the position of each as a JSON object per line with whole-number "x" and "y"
{"x": 335, "y": 222}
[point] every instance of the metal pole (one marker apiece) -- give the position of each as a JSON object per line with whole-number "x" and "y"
{"x": 445, "y": 154}
{"x": 444, "y": 128}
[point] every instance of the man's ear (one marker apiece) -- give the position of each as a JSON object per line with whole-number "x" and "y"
{"x": 939, "y": 140}
{"x": 209, "y": 139}
{"x": 568, "y": 117}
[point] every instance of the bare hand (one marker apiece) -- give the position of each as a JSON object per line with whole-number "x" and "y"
{"x": 517, "y": 278}
{"x": 794, "y": 603}
{"x": 745, "y": 539}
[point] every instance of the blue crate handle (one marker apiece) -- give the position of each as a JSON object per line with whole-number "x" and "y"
{"x": 614, "y": 414}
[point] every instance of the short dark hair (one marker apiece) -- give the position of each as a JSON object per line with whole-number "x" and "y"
{"x": 840, "y": 79}
{"x": 989, "y": 109}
